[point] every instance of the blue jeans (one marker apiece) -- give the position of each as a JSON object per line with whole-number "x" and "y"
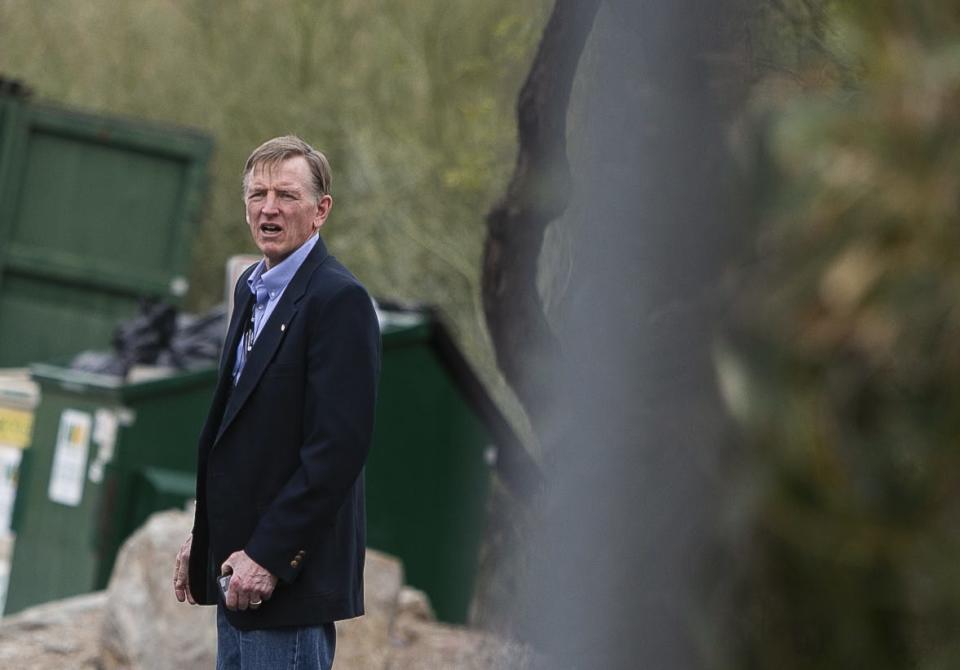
{"x": 307, "y": 648}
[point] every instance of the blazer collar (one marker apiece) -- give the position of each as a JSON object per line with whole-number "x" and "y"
{"x": 271, "y": 335}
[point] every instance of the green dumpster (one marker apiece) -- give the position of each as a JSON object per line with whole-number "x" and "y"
{"x": 428, "y": 476}
{"x": 104, "y": 455}
{"x": 96, "y": 212}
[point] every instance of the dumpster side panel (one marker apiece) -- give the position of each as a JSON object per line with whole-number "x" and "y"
{"x": 427, "y": 481}
{"x": 54, "y": 553}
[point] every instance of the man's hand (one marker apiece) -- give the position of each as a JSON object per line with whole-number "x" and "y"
{"x": 250, "y": 585}
{"x": 181, "y": 573}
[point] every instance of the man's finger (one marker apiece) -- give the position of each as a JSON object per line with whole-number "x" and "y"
{"x": 181, "y": 573}
{"x": 227, "y": 567}
{"x": 186, "y": 587}
{"x": 179, "y": 592}
{"x": 231, "y": 599}
{"x": 177, "y": 587}
{"x": 181, "y": 587}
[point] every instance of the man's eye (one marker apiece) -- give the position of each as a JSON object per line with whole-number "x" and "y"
{"x": 255, "y": 195}
{"x": 288, "y": 196}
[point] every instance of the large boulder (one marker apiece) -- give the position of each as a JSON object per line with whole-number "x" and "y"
{"x": 364, "y": 643}
{"x": 53, "y": 636}
{"x": 420, "y": 642}
{"x": 144, "y": 627}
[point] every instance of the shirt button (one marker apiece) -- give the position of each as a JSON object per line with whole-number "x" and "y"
{"x": 260, "y": 307}
{"x": 273, "y": 294}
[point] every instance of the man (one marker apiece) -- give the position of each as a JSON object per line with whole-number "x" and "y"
{"x": 280, "y": 501}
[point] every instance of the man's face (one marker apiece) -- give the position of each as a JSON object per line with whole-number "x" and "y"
{"x": 282, "y": 210}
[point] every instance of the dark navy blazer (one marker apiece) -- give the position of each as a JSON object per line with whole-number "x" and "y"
{"x": 281, "y": 455}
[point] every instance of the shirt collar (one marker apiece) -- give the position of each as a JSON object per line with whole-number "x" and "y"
{"x": 276, "y": 278}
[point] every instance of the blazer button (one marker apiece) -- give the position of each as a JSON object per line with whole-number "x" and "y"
{"x": 294, "y": 563}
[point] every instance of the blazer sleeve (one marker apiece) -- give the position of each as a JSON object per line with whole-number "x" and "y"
{"x": 343, "y": 367}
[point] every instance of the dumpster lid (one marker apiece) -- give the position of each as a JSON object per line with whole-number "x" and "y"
{"x": 145, "y": 382}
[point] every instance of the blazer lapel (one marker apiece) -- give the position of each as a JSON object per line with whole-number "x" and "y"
{"x": 270, "y": 337}
{"x": 241, "y": 314}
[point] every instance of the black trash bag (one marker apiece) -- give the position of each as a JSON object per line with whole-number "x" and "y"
{"x": 157, "y": 336}
{"x": 197, "y": 341}
{"x": 140, "y": 340}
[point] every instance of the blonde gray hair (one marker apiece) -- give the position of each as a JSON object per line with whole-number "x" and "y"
{"x": 273, "y": 152}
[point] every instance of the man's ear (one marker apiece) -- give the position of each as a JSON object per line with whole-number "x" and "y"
{"x": 324, "y": 205}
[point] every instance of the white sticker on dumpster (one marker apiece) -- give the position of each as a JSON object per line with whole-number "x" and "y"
{"x": 105, "y": 437}
{"x": 70, "y": 458}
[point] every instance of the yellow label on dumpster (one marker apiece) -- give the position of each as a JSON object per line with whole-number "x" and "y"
{"x": 15, "y": 427}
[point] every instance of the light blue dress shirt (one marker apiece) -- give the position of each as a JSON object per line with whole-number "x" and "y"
{"x": 267, "y": 287}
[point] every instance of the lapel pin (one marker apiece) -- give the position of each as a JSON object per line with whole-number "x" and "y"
{"x": 283, "y": 327}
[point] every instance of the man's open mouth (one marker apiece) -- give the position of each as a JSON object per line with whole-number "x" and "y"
{"x": 270, "y": 228}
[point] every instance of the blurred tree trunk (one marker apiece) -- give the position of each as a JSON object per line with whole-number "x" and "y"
{"x": 538, "y": 193}
{"x": 524, "y": 344}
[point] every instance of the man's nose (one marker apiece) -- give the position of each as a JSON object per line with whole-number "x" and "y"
{"x": 270, "y": 203}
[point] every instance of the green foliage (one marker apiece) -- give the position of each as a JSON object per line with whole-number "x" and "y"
{"x": 845, "y": 363}
{"x": 413, "y": 103}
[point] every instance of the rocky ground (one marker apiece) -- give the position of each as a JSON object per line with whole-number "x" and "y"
{"x": 136, "y": 624}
